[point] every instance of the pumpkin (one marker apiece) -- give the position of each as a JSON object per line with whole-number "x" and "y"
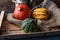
{"x": 22, "y": 12}
{"x": 40, "y": 13}
{"x": 29, "y": 25}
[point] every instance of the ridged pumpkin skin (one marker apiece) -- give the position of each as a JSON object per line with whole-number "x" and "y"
{"x": 29, "y": 25}
{"x": 40, "y": 13}
{"x": 22, "y": 12}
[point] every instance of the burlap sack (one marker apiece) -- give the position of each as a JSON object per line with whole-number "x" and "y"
{"x": 54, "y": 21}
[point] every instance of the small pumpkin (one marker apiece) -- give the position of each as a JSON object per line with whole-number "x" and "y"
{"x": 29, "y": 25}
{"x": 40, "y": 13}
{"x": 22, "y": 12}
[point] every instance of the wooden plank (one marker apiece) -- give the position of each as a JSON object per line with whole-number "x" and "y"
{"x": 2, "y": 17}
{"x": 32, "y": 35}
{"x": 9, "y": 28}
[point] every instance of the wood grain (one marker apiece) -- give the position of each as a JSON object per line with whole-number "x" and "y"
{"x": 2, "y": 17}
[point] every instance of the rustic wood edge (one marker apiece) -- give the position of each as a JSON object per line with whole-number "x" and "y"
{"x": 31, "y": 35}
{"x": 2, "y": 17}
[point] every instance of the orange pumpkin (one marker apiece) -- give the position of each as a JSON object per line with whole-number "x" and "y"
{"x": 22, "y": 12}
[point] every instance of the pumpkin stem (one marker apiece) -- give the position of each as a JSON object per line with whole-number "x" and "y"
{"x": 21, "y": 9}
